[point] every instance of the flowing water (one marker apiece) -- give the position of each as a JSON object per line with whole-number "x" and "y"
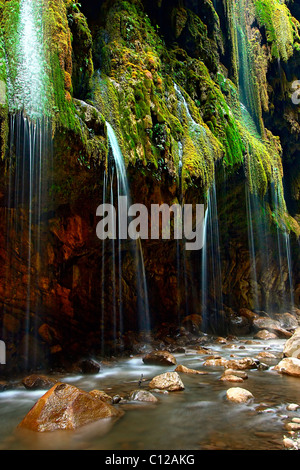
{"x": 198, "y": 417}
{"x": 211, "y": 271}
{"x": 29, "y": 166}
{"x": 115, "y": 188}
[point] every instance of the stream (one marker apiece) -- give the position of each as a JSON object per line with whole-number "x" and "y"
{"x": 198, "y": 418}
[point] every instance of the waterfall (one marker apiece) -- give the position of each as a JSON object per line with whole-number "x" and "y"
{"x": 116, "y": 185}
{"x": 260, "y": 237}
{"x": 28, "y": 168}
{"x": 211, "y": 269}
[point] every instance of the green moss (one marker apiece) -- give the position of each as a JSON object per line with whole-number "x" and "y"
{"x": 282, "y": 29}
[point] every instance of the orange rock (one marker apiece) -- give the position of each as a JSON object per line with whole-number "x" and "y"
{"x": 65, "y": 407}
{"x": 186, "y": 370}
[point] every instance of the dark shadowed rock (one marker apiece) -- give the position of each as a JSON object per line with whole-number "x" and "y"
{"x": 192, "y": 323}
{"x": 162, "y": 358}
{"x": 36, "y": 382}
{"x": 88, "y": 366}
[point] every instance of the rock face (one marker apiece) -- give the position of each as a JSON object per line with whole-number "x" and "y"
{"x": 199, "y": 54}
{"x": 169, "y": 381}
{"x": 239, "y": 395}
{"x": 160, "y": 358}
{"x": 289, "y": 366}
{"x": 65, "y": 407}
{"x": 292, "y": 346}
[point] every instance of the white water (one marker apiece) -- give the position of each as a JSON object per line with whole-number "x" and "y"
{"x": 29, "y": 161}
{"x": 118, "y": 171}
{"x": 27, "y": 90}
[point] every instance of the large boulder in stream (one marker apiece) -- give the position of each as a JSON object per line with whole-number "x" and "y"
{"x": 239, "y": 395}
{"x": 65, "y": 407}
{"x": 170, "y": 381}
{"x": 273, "y": 326}
{"x": 289, "y": 366}
{"x": 292, "y": 346}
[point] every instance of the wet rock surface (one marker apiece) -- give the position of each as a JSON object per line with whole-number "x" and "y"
{"x": 65, "y": 407}
{"x": 169, "y": 381}
{"x": 239, "y": 395}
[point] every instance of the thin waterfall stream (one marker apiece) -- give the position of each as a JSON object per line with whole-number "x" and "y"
{"x": 29, "y": 167}
{"x": 117, "y": 171}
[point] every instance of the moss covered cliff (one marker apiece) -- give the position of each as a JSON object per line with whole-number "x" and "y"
{"x": 199, "y": 95}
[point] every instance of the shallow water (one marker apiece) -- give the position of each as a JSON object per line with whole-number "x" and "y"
{"x": 197, "y": 418}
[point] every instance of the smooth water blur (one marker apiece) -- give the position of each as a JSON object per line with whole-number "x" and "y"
{"x": 115, "y": 187}
{"x": 28, "y": 83}
{"x": 199, "y": 417}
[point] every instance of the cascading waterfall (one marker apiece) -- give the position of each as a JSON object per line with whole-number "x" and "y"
{"x": 115, "y": 186}
{"x": 211, "y": 270}
{"x": 28, "y": 166}
{"x": 256, "y": 207}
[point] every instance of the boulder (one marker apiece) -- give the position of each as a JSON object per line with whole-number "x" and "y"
{"x": 271, "y": 325}
{"x": 38, "y": 382}
{"x": 170, "y": 381}
{"x": 265, "y": 335}
{"x": 186, "y": 370}
{"x": 65, "y": 407}
{"x": 88, "y": 366}
{"x": 231, "y": 378}
{"x": 159, "y": 358}
{"x": 219, "y": 362}
{"x": 239, "y": 395}
{"x": 143, "y": 395}
{"x": 292, "y": 345}
{"x": 289, "y": 366}
{"x": 242, "y": 364}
